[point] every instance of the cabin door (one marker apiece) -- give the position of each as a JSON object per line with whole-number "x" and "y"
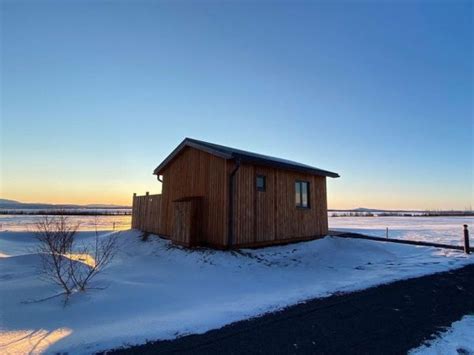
{"x": 186, "y": 221}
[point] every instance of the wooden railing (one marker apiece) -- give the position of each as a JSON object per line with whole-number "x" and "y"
{"x": 146, "y": 213}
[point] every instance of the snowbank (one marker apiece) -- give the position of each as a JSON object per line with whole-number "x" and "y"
{"x": 154, "y": 290}
{"x": 458, "y": 339}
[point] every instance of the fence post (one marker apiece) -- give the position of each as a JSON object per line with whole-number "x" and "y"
{"x": 134, "y": 211}
{"x": 467, "y": 250}
{"x": 144, "y": 225}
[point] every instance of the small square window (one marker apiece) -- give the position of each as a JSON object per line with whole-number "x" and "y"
{"x": 261, "y": 183}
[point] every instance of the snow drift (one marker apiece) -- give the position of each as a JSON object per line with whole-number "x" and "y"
{"x": 153, "y": 290}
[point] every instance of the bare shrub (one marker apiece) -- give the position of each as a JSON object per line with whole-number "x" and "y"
{"x": 100, "y": 252}
{"x": 62, "y": 262}
{"x": 56, "y": 238}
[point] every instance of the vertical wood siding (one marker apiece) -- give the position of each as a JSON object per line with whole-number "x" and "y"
{"x": 194, "y": 173}
{"x": 260, "y": 217}
{"x": 271, "y": 216}
{"x": 187, "y": 222}
{"x": 146, "y": 213}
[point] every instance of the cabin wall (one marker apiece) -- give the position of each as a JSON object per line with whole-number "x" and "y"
{"x": 260, "y": 218}
{"x": 270, "y": 216}
{"x": 194, "y": 173}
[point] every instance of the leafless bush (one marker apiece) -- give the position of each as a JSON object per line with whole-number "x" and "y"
{"x": 99, "y": 253}
{"x": 63, "y": 263}
{"x": 56, "y": 239}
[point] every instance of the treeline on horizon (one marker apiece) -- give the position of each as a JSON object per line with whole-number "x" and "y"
{"x": 121, "y": 212}
{"x": 128, "y": 212}
{"x": 406, "y": 214}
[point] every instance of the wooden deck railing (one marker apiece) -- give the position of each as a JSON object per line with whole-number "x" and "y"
{"x": 146, "y": 213}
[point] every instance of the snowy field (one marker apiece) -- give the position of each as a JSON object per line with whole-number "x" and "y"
{"x": 153, "y": 290}
{"x": 446, "y": 230}
{"x": 86, "y": 223}
{"x": 458, "y": 339}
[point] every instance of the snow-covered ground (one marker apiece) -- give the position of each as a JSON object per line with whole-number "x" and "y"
{"x": 23, "y": 223}
{"x": 447, "y": 230}
{"x": 458, "y": 339}
{"x": 436, "y": 229}
{"x": 156, "y": 291}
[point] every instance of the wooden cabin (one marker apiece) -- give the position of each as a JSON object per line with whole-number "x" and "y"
{"x": 217, "y": 196}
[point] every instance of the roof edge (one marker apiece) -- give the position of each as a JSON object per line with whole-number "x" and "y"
{"x": 188, "y": 142}
{"x": 286, "y": 166}
{"x": 252, "y": 158}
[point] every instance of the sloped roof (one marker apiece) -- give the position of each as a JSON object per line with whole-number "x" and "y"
{"x": 243, "y": 156}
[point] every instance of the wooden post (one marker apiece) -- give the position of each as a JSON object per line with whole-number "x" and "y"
{"x": 146, "y": 215}
{"x": 134, "y": 211}
{"x": 386, "y": 233}
{"x": 467, "y": 250}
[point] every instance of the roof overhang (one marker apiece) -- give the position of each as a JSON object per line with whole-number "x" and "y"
{"x": 245, "y": 157}
{"x": 187, "y": 143}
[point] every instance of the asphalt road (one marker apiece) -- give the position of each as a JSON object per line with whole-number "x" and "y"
{"x": 388, "y": 319}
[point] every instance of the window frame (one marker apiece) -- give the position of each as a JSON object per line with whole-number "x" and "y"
{"x": 264, "y": 188}
{"x": 308, "y": 194}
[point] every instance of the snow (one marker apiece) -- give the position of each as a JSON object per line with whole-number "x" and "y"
{"x": 153, "y": 290}
{"x": 458, "y": 339}
{"x": 436, "y": 229}
{"x": 85, "y": 222}
{"x": 447, "y": 230}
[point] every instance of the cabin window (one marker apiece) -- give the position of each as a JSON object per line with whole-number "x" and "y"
{"x": 302, "y": 194}
{"x": 261, "y": 183}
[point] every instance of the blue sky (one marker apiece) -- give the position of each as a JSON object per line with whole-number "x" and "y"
{"x": 96, "y": 94}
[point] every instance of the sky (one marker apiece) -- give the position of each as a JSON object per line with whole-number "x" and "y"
{"x": 94, "y": 95}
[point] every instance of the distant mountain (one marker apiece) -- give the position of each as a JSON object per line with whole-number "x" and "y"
{"x": 98, "y": 205}
{"x": 363, "y": 209}
{"x": 371, "y": 210}
{"x": 12, "y": 204}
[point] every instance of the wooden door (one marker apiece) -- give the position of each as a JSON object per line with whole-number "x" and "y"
{"x": 186, "y": 221}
